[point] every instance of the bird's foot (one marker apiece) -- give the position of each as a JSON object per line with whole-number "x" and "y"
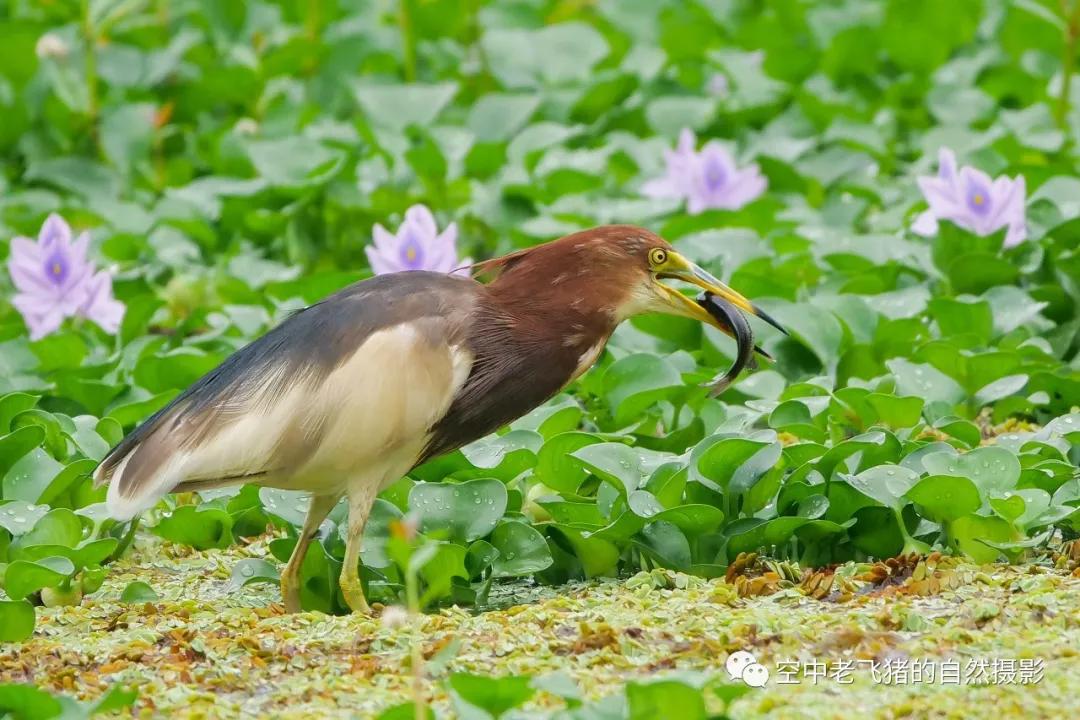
{"x": 354, "y": 596}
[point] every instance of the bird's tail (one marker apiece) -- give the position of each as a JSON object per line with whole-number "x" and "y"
{"x": 139, "y": 471}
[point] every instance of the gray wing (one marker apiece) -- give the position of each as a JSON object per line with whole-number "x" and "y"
{"x": 374, "y": 348}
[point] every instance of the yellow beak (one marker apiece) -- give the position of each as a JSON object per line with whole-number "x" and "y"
{"x": 678, "y": 267}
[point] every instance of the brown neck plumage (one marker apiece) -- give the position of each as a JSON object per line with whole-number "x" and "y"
{"x": 570, "y": 287}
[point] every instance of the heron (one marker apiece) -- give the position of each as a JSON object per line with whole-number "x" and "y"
{"x": 348, "y": 395}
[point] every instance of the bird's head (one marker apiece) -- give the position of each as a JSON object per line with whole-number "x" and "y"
{"x": 619, "y": 270}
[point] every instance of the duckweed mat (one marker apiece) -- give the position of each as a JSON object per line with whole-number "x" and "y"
{"x": 862, "y": 641}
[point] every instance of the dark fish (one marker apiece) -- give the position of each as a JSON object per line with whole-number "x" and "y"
{"x": 733, "y": 323}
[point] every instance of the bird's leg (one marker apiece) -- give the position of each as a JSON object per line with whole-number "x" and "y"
{"x": 360, "y": 502}
{"x": 320, "y": 507}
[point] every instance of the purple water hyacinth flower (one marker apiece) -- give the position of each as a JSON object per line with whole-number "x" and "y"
{"x": 418, "y": 245}
{"x": 55, "y": 280}
{"x": 970, "y": 199}
{"x": 706, "y": 179}
{"x": 100, "y": 305}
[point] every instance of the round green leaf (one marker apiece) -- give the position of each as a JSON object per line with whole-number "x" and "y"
{"x": 992, "y": 469}
{"x": 522, "y": 550}
{"x": 465, "y": 511}
{"x": 496, "y": 695}
{"x": 944, "y": 498}
{"x": 556, "y": 468}
{"x": 16, "y": 625}
{"x": 616, "y": 463}
{"x": 138, "y": 592}
{"x": 56, "y": 527}
{"x": 24, "y": 577}
{"x": 199, "y": 526}
{"x": 967, "y": 534}
{"x": 885, "y": 483}
{"x": 19, "y": 516}
{"x": 664, "y": 698}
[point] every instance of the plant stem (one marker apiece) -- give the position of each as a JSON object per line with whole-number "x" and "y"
{"x": 413, "y": 601}
{"x": 90, "y": 59}
{"x": 313, "y": 19}
{"x": 408, "y": 39}
{"x": 1068, "y": 61}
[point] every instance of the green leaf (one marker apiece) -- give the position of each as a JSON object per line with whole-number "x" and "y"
{"x": 919, "y": 35}
{"x": 253, "y": 570}
{"x": 289, "y": 505}
{"x": 438, "y": 573}
{"x": 896, "y": 412}
{"x": 668, "y": 115}
{"x": 16, "y": 625}
{"x": 294, "y": 161}
{"x": 556, "y": 466}
{"x": 925, "y": 381}
{"x": 977, "y": 272}
{"x": 16, "y": 445}
{"x": 756, "y": 534}
{"x": 615, "y": 463}
{"x": 11, "y": 405}
{"x": 19, "y": 516}
{"x": 478, "y": 559}
{"x": 497, "y": 116}
{"x": 59, "y": 526}
{"x": 373, "y": 552}
{"x": 504, "y": 456}
{"x": 693, "y": 520}
{"x": 24, "y": 577}
{"x": 887, "y": 484}
{"x": 405, "y": 711}
{"x": 138, "y": 592}
{"x": 965, "y": 431}
{"x": 816, "y": 328}
{"x": 396, "y": 107}
{"x": 598, "y": 557}
{"x": 944, "y": 498}
{"x": 30, "y": 477}
{"x": 116, "y": 698}
{"x": 737, "y": 462}
{"x": 1000, "y": 388}
{"x": 667, "y": 543}
{"x": 465, "y": 511}
{"x": 956, "y": 317}
{"x": 636, "y": 382}
{"x": 522, "y": 550}
{"x": 992, "y": 469}
{"x": 199, "y": 526}
{"x": 68, "y": 476}
{"x": 495, "y": 695}
{"x": 664, "y": 698}
{"x": 25, "y": 702}
{"x": 967, "y": 534}
{"x": 559, "y": 53}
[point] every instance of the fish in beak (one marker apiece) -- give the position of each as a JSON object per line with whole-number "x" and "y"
{"x": 733, "y": 323}
{"x": 719, "y": 306}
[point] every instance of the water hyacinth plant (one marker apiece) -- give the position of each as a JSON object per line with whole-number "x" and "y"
{"x": 55, "y": 280}
{"x": 417, "y": 245}
{"x": 970, "y": 199}
{"x": 707, "y": 179}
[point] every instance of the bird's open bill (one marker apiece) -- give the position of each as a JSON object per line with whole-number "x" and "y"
{"x": 678, "y": 267}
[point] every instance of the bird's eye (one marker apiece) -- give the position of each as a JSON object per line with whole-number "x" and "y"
{"x": 657, "y": 257}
